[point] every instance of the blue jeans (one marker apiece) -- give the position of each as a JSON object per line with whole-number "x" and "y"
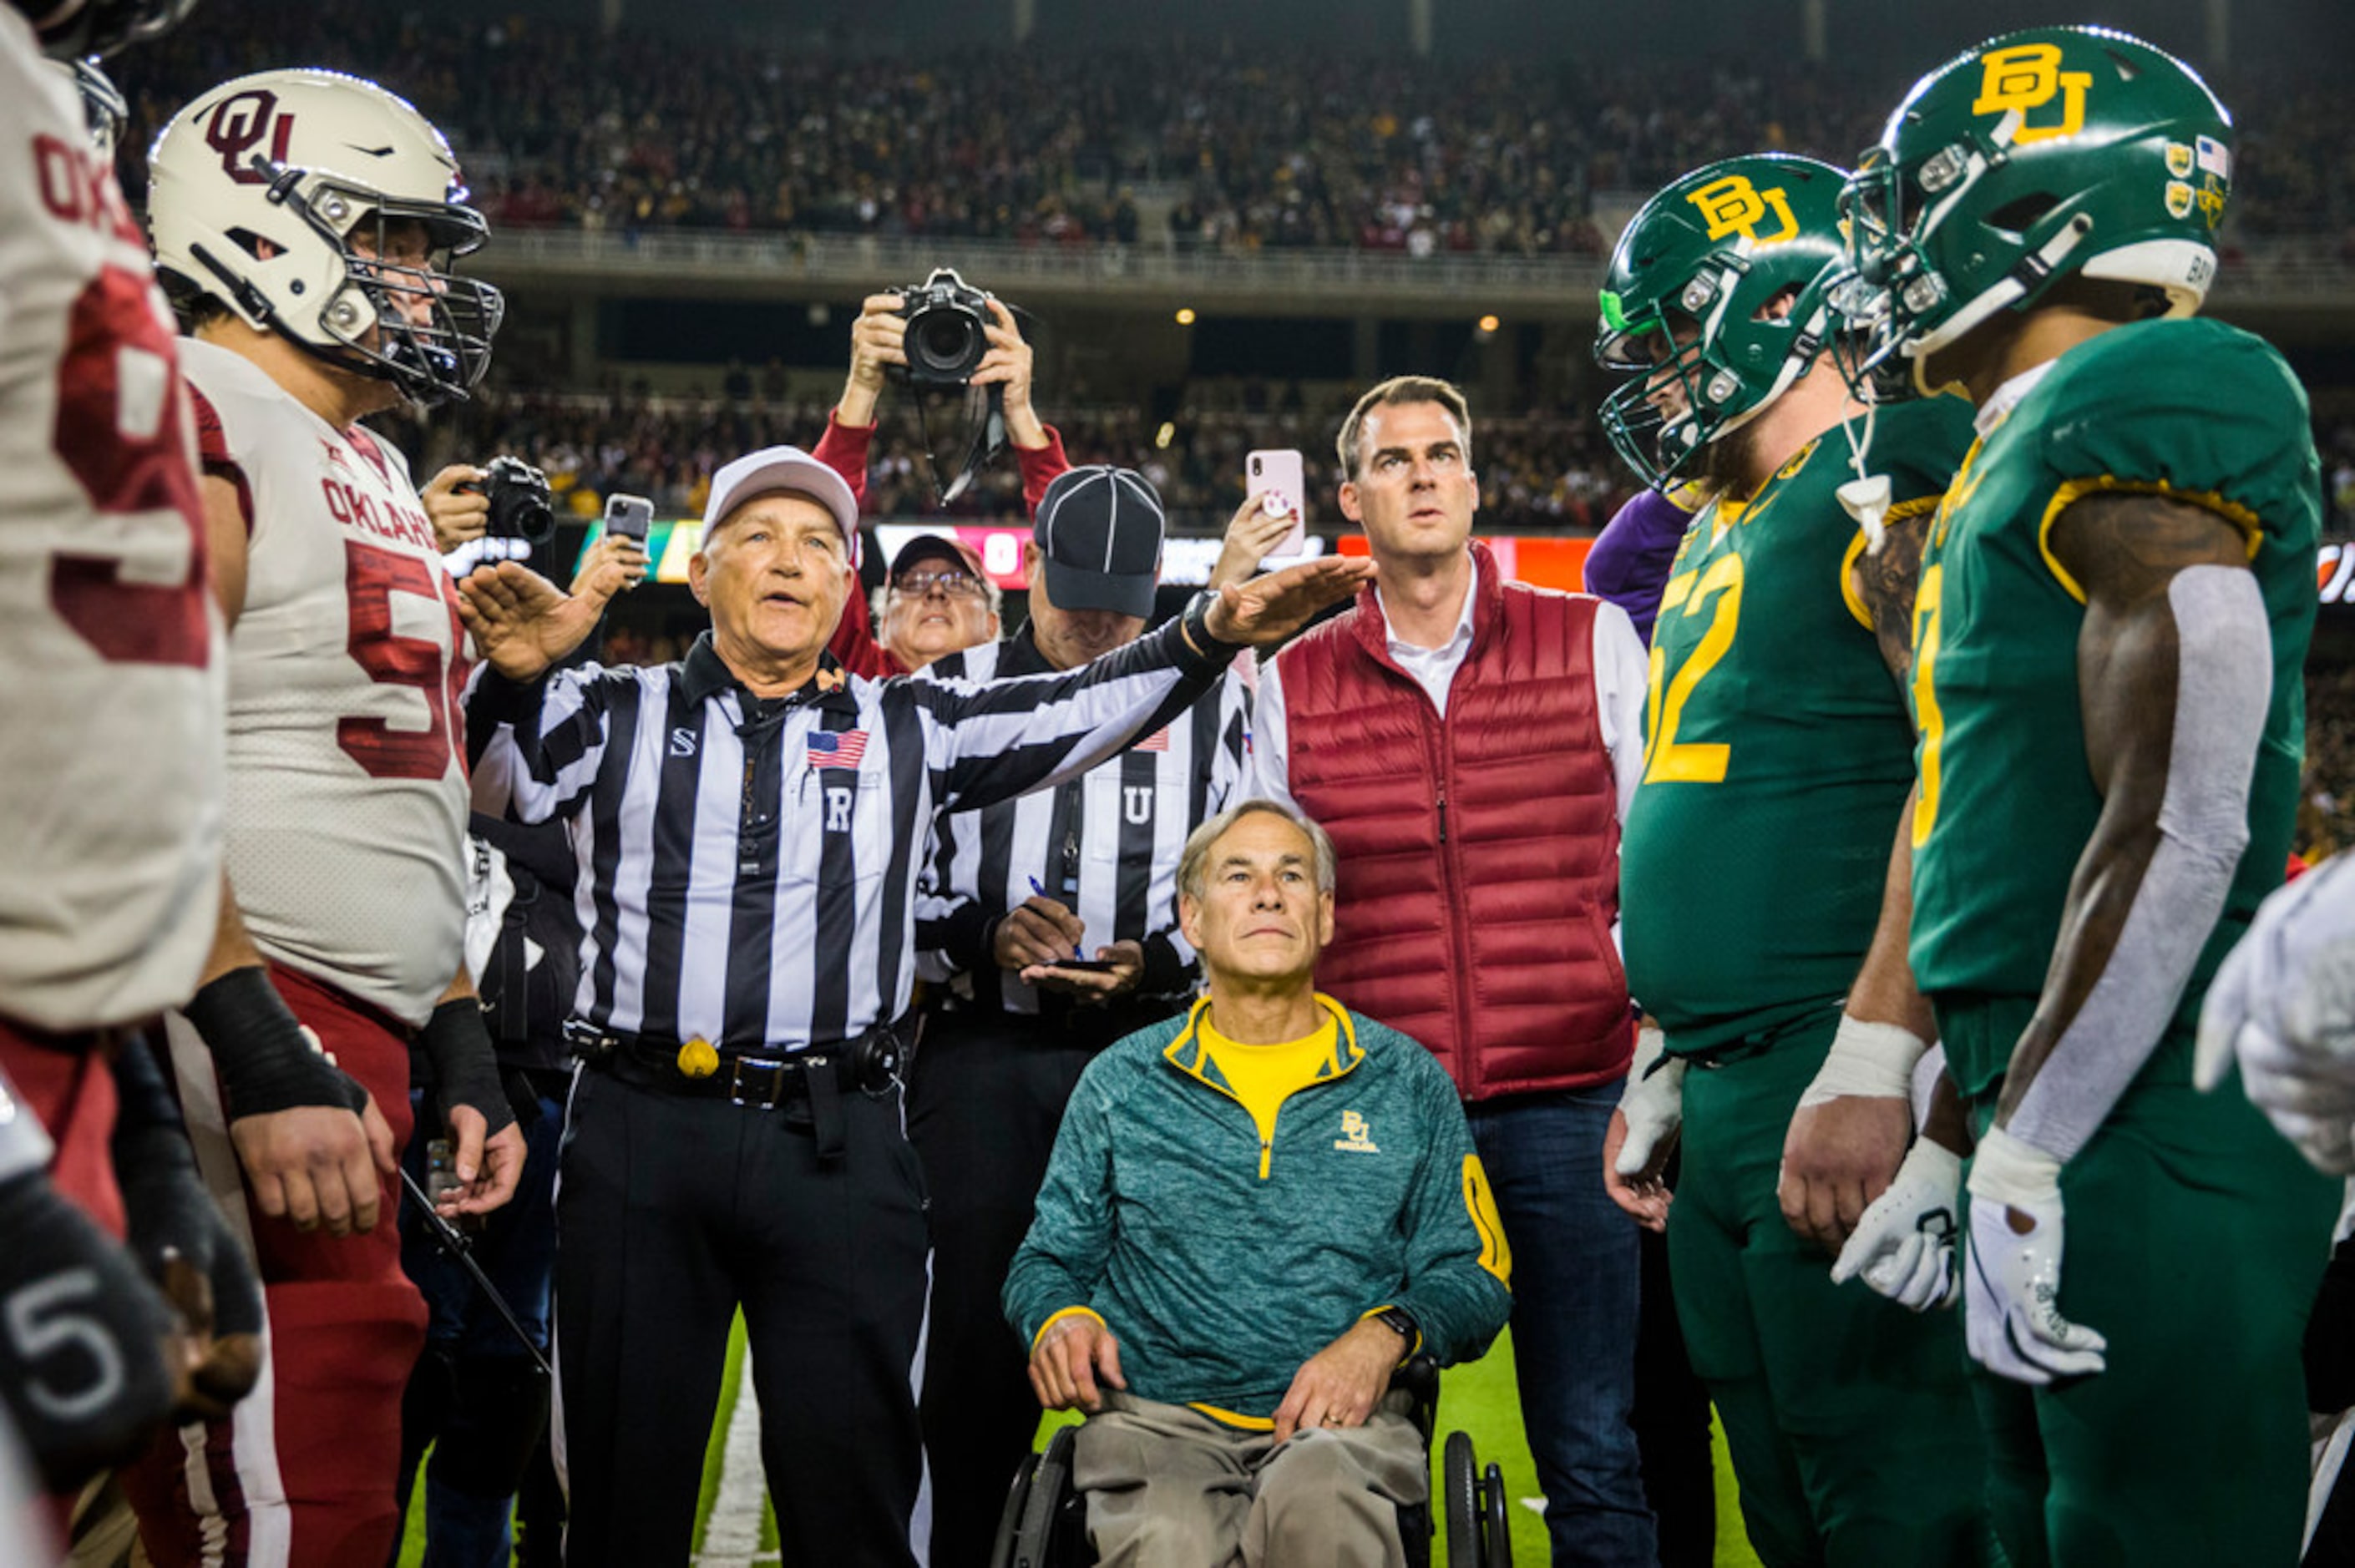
{"x": 1575, "y": 1283}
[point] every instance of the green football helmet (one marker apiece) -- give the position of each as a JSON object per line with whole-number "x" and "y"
{"x": 2036, "y": 155}
{"x": 1703, "y": 261}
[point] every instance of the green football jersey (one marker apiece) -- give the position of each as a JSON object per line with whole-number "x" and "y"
{"x": 2193, "y": 410}
{"x": 1777, "y": 750}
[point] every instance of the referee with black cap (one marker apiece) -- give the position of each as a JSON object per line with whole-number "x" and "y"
{"x": 1014, "y": 892}
{"x": 750, "y": 824}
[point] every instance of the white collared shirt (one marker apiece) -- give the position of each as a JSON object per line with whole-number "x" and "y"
{"x": 1434, "y": 669}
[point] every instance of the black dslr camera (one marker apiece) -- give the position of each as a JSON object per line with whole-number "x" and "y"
{"x": 945, "y": 339}
{"x": 522, "y": 506}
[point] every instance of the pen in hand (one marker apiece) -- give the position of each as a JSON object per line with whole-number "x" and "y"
{"x": 1040, "y": 888}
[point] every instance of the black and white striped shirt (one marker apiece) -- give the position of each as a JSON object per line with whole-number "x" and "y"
{"x": 748, "y": 869}
{"x": 1105, "y": 845}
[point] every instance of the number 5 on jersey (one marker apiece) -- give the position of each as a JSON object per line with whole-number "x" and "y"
{"x": 372, "y": 576}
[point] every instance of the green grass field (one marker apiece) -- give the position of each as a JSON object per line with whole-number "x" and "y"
{"x": 1478, "y": 1398}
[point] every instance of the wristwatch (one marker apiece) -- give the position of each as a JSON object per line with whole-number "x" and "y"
{"x": 1402, "y": 1321}
{"x": 1196, "y": 621}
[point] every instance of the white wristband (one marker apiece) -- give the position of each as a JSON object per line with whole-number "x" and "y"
{"x": 1651, "y": 1044}
{"x": 2006, "y": 1170}
{"x": 1870, "y": 1061}
{"x": 25, "y": 1144}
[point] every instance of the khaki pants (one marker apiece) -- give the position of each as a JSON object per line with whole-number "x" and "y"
{"x": 1169, "y": 1488}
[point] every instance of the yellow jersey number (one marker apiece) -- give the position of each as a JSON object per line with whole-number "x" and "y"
{"x": 1927, "y": 716}
{"x": 1665, "y": 758}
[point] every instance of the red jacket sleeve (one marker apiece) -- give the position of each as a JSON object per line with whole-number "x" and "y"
{"x": 844, "y": 448}
{"x": 1040, "y": 465}
{"x": 854, "y": 645}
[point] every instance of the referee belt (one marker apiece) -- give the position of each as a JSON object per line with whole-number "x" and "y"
{"x": 762, "y": 1076}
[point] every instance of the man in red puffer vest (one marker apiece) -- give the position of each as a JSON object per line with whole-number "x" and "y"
{"x": 1471, "y": 742}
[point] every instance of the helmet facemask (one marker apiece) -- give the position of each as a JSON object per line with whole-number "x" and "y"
{"x": 409, "y": 321}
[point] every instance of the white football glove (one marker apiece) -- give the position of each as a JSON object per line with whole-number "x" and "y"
{"x": 2284, "y": 1004}
{"x": 2012, "y": 1319}
{"x": 1653, "y": 1102}
{"x": 1903, "y": 1244}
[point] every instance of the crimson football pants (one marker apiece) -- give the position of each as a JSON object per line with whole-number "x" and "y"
{"x": 65, "y": 1081}
{"x": 302, "y": 1475}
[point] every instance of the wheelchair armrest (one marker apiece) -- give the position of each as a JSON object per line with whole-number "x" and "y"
{"x": 1419, "y": 1379}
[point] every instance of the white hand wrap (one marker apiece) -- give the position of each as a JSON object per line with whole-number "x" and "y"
{"x": 1868, "y": 1061}
{"x": 1653, "y": 1102}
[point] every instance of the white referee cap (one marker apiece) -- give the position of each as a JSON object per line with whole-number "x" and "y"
{"x": 787, "y": 469}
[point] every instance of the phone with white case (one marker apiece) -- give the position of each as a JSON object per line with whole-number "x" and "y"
{"x": 1280, "y": 478}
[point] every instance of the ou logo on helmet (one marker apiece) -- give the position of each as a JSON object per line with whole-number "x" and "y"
{"x": 243, "y": 122}
{"x": 1734, "y": 206}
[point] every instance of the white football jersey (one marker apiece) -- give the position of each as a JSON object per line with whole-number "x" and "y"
{"x": 348, "y": 786}
{"x": 110, "y": 677}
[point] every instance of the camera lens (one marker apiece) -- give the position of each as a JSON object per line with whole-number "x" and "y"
{"x": 945, "y": 341}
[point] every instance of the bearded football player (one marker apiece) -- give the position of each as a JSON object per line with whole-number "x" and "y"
{"x": 1778, "y": 756}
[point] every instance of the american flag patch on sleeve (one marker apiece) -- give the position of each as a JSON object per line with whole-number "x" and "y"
{"x": 836, "y": 748}
{"x": 1158, "y": 741}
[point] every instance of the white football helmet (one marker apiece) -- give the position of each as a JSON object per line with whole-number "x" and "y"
{"x": 71, "y": 30}
{"x": 103, "y": 103}
{"x": 290, "y": 195}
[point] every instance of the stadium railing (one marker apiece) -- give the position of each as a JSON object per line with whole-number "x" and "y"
{"x": 2269, "y": 272}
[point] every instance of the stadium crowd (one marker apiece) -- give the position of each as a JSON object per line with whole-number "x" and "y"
{"x": 562, "y": 126}
{"x": 1545, "y": 472}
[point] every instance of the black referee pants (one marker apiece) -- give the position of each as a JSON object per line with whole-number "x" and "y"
{"x": 671, "y": 1211}
{"x": 986, "y": 1098}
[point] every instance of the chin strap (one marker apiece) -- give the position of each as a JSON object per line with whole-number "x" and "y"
{"x": 1865, "y": 497}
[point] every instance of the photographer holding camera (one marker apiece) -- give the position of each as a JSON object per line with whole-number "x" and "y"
{"x": 950, "y": 336}
{"x": 502, "y": 511}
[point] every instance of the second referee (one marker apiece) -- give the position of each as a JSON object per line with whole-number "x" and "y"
{"x": 750, "y": 825}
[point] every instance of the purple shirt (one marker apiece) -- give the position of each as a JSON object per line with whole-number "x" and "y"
{"x": 1629, "y": 564}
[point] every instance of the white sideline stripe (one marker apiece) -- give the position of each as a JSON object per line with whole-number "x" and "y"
{"x": 732, "y": 1539}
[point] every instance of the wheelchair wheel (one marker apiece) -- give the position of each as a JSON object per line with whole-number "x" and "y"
{"x": 1457, "y": 1478}
{"x": 1050, "y": 1480}
{"x": 1009, "y": 1519}
{"x": 1499, "y": 1531}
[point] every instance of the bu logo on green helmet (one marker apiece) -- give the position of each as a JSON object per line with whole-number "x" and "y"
{"x": 2039, "y": 156}
{"x": 1713, "y": 301}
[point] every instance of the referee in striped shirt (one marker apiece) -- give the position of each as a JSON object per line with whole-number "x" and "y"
{"x": 1087, "y": 870}
{"x": 750, "y": 824}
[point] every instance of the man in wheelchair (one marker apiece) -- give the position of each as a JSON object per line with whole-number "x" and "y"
{"x": 1254, "y": 1215}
